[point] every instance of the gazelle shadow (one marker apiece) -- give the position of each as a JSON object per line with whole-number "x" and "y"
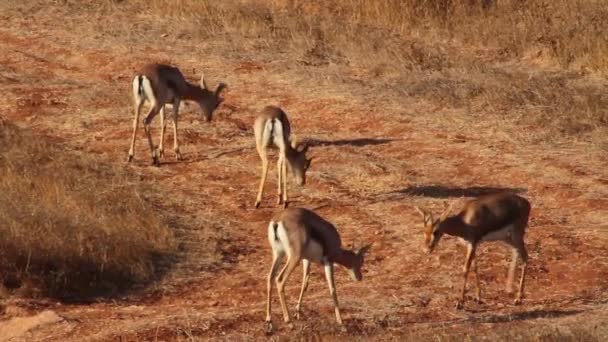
{"x": 526, "y": 315}
{"x": 441, "y": 191}
{"x": 358, "y": 142}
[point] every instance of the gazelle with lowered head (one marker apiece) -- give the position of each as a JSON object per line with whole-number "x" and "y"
{"x": 163, "y": 84}
{"x": 272, "y": 129}
{"x": 496, "y": 217}
{"x": 302, "y": 235}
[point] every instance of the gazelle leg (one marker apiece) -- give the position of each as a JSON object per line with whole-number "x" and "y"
{"x": 305, "y": 277}
{"x": 467, "y": 266}
{"x": 477, "y": 287}
{"x": 147, "y": 121}
{"x": 280, "y": 179}
{"x": 523, "y": 254}
{"x": 139, "y": 102}
{"x": 276, "y": 259}
{"x": 264, "y": 158}
{"x": 292, "y": 263}
{"x": 178, "y": 155}
{"x": 161, "y": 145}
{"x": 284, "y": 179}
{"x": 329, "y": 274}
{"x": 512, "y": 268}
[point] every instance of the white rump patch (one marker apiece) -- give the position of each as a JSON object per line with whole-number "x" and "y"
{"x": 278, "y": 242}
{"x": 502, "y": 234}
{"x": 147, "y": 93}
{"x": 278, "y": 135}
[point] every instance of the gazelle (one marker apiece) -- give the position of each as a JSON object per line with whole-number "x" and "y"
{"x": 302, "y": 235}
{"x": 163, "y": 84}
{"x": 272, "y": 129}
{"x": 496, "y": 217}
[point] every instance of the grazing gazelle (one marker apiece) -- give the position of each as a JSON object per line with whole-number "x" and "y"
{"x": 163, "y": 84}
{"x": 302, "y": 235}
{"x": 272, "y": 129}
{"x": 496, "y": 217}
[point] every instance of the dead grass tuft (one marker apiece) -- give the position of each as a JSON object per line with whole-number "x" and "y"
{"x": 72, "y": 227}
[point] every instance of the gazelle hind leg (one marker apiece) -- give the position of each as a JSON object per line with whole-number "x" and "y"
{"x": 147, "y": 121}
{"x": 284, "y": 179}
{"x": 276, "y": 259}
{"x": 161, "y": 145}
{"x": 264, "y": 158}
{"x": 139, "y": 102}
{"x": 291, "y": 264}
{"x": 305, "y": 277}
{"x": 280, "y": 162}
{"x": 178, "y": 155}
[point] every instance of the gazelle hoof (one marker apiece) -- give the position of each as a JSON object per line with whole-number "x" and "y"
{"x": 161, "y": 153}
{"x": 257, "y": 204}
{"x": 178, "y": 155}
{"x": 268, "y": 327}
{"x": 155, "y": 161}
{"x": 459, "y": 305}
{"x": 285, "y": 204}
{"x": 130, "y": 158}
{"x": 517, "y": 301}
{"x": 297, "y": 314}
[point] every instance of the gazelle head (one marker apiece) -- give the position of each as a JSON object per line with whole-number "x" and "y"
{"x": 432, "y": 227}
{"x": 357, "y": 259}
{"x": 210, "y": 100}
{"x": 298, "y": 162}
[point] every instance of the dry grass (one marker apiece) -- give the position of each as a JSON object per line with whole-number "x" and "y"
{"x": 538, "y": 62}
{"x": 72, "y": 227}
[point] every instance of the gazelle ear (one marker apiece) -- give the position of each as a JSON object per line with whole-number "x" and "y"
{"x": 203, "y": 83}
{"x": 364, "y": 249}
{"x": 219, "y": 89}
{"x": 421, "y": 212}
{"x": 294, "y": 141}
{"x": 447, "y": 211}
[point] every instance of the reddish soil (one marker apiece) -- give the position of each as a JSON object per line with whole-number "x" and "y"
{"x": 374, "y": 158}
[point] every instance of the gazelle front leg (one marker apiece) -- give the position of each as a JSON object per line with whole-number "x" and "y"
{"x": 329, "y": 275}
{"x": 139, "y": 102}
{"x": 305, "y": 277}
{"x": 523, "y": 254}
{"x": 178, "y": 155}
{"x": 467, "y": 265}
{"x": 477, "y": 287}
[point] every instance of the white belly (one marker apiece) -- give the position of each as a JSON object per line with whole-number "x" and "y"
{"x": 500, "y": 235}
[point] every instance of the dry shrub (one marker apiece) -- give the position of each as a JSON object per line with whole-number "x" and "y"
{"x": 72, "y": 227}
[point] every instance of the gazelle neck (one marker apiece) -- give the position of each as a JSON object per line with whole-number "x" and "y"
{"x": 345, "y": 258}
{"x": 455, "y": 226}
{"x": 193, "y": 92}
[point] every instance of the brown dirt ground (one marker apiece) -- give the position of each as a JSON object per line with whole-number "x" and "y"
{"x": 375, "y": 157}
